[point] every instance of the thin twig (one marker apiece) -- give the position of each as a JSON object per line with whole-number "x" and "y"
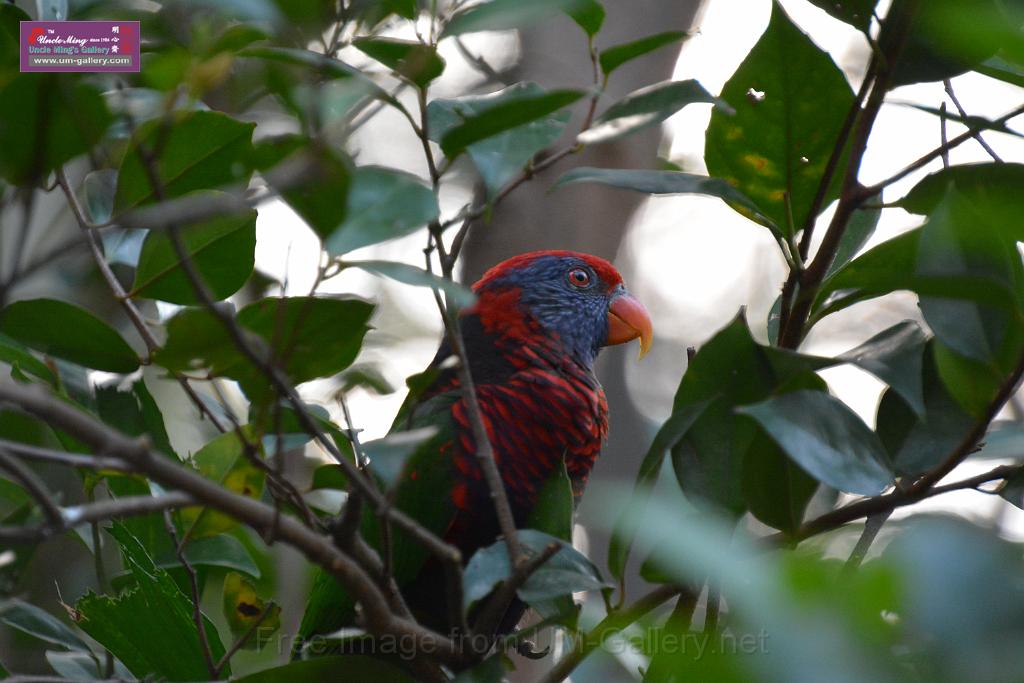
{"x": 943, "y": 137}
{"x": 948, "y": 85}
{"x": 35, "y": 487}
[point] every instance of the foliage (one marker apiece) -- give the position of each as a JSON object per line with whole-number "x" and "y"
{"x": 175, "y": 160}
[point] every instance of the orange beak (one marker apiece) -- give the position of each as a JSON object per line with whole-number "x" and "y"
{"x": 627, "y": 320}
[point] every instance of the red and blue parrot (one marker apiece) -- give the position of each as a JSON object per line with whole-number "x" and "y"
{"x": 531, "y": 338}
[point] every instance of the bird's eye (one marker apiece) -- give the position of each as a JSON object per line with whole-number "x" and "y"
{"x": 579, "y": 277}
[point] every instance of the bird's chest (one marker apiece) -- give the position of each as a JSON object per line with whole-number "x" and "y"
{"x": 534, "y": 420}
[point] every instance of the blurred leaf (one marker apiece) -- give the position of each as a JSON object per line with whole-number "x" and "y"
{"x": 237, "y": 37}
{"x": 790, "y": 101}
{"x": 46, "y": 120}
{"x": 501, "y": 157}
{"x": 510, "y": 113}
{"x": 1013, "y": 490}
{"x": 243, "y": 610}
{"x": 382, "y": 204}
{"x": 329, "y": 477}
{"x": 663, "y": 182}
{"x": 1004, "y": 440}
{"x": 614, "y": 57}
{"x": 97, "y": 191}
{"x": 223, "y": 551}
{"x": 325, "y": 66}
{"x": 917, "y": 441}
{"x": 668, "y": 436}
{"x": 368, "y": 377}
{"x": 223, "y": 461}
{"x": 589, "y": 15}
{"x": 894, "y": 356}
{"x": 645, "y": 107}
{"x": 388, "y": 456}
{"x": 567, "y": 572}
{"x": 193, "y": 150}
{"x": 40, "y": 624}
{"x": 76, "y": 666}
{"x": 411, "y": 275}
{"x": 856, "y": 13}
{"x": 322, "y": 201}
{"x": 346, "y": 669}
{"x": 18, "y": 357}
{"x": 412, "y": 60}
{"x": 60, "y": 329}
{"x": 222, "y": 251}
{"x": 977, "y": 180}
{"x": 499, "y": 15}
{"x": 825, "y": 438}
{"x": 148, "y": 627}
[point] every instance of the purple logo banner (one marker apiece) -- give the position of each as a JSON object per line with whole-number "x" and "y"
{"x": 80, "y": 46}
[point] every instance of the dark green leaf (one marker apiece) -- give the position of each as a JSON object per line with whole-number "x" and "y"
{"x": 46, "y": 120}
{"x": 66, "y": 331}
{"x": 222, "y": 250}
{"x": 553, "y": 512}
{"x": 979, "y": 181}
{"x": 501, "y": 157}
{"x": 499, "y": 15}
{"x": 388, "y": 456}
{"x": 40, "y": 624}
{"x": 148, "y": 627}
{"x": 614, "y": 57}
{"x": 18, "y": 357}
{"x": 198, "y": 150}
{"x": 412, "y": 60}
{"x": 668, "y": 436}
{"x": 222, "y": 551}
{"x": 329, "y": 477}
{"x": 663, "y": 182}
{"x": 826, "y": 439}
{"x": 411, "y": 275}
{"x": 511, "y": 113}
{"x": 646, "y": 107}
{"x": 565, "y": 573}
{"x": 382, "y": 204}
{"x": 322, "y": 201}
{"x": 589, "y": 15}
{"x": 322, "y": 64}
{"x": 791, "y": 101}
{"x": 894, "y": 356}
{"x": 858, "y": 231}
{"x": 1013, "y": 490}
{"x": 856, "y": 13}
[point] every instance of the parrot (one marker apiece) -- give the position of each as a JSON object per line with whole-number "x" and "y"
{"x": 531, "y": 339}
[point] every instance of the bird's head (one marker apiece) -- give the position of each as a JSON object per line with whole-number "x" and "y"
{"x": 575, "y": 298}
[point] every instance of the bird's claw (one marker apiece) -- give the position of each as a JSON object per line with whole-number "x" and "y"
{"x": 528, "y": 649}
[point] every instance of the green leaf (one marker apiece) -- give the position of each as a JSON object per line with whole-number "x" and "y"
{"x": 663, "y": 182}
{"x": 198, "y": 150}
{"x": 309, "y": 337}
{"x": 500, "y": 15}
{"x": 60, "y": 329}
{"x": 589, "y": 15}
{"x": 40, "y": 624}
{"x": 791, "y": 101}
{"x": 97, "y": 191}
{"x": 980, "y": 123}
{"x": 77, "y": 666}
{"x": 329, "y": 477}
{"x": 321, "y": 201}
{"x": 222, "y": 250}
{"x": 222, "y": 551}
{"x": 614, "y": 57}
{"x": 858, "y": 231}
{"x": 826, "y": 439}
{"x": 382, "y": 204}
{"x": 668, "y": 436}
{"x": 917, "y": 441}
{"x": 45, "y": 121}
{"x": 646, "y": 107}
{"x": 509, "y": 114}
{"x": 325, "y": 66}
{"x": 347, "y": 669}
{"x": 856, "y": 13}
{"x": 20, "y": 360}
{"x": 1013, "y": 491}
{"x": 553, "y": 511}
{"x": 417, "y": 277}
{"x": 243, "y": 609}
{"x": 412, "y": 60}
{"x": 224, "y": 461}
{"x": 567, "y": 572}
{"x": 974, "y": 180}
{"x": 148, "y": 627}
{"x": 894, "y": 356}
{"x": 388, "y": 456}
{"x": 501, "y": 157}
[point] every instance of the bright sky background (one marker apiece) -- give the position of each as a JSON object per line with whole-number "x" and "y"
{"x": 700, "y": 260}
